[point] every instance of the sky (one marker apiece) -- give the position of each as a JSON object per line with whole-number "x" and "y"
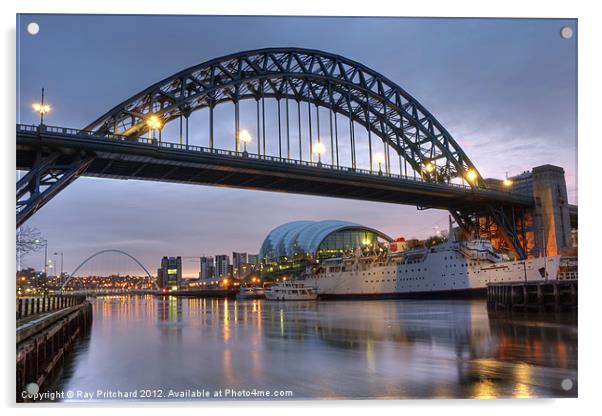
{"x": 504, "y": 88}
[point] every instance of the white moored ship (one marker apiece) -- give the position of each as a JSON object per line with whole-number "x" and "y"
{"x": 453, "y": 266}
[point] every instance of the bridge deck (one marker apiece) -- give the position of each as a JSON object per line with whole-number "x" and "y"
{"x": 144, "y": 159}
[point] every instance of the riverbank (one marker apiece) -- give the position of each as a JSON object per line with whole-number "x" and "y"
{"x": 42, "y": 343}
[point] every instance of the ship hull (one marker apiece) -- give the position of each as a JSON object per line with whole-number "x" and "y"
{"x": 441, "y": 294}
{"x": 440, "y": 274}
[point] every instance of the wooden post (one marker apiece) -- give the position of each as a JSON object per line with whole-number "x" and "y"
{"x": 540, "y": 299}
{"x": 556, "y": 298}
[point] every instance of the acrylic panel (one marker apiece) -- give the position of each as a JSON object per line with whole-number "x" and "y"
{"x": 218, "y": 208}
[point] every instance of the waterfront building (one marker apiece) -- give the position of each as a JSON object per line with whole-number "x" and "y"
{"x": 289, "y": 248}
{"x": 253, "y": 259}
{"x": 222, "y": 263}
{"x": 169, "y": 275}
{"x": 207, "y": 268}
{"x": 238, "y": 260}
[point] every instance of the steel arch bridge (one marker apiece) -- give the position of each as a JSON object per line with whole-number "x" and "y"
{"x": 98, "y": 253}
{"x": 433, "y": 171}
{"x": 323, "y": 79}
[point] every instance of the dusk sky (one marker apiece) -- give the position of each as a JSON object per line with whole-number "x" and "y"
{"x": 504, "y": 89}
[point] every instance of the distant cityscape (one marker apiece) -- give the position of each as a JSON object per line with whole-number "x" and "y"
{"x": 214, "y": 270}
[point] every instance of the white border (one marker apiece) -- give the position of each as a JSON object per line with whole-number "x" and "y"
{"x": 589, "y": 27}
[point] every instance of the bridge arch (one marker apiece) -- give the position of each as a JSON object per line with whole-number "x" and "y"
{"x": 323, "y": 79}
{"x": 98, "y": 253}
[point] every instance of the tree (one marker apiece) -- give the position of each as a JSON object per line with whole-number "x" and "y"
{"x": 26, "y": 241}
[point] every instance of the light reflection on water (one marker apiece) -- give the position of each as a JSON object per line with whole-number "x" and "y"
{"x": 342, "y": 349}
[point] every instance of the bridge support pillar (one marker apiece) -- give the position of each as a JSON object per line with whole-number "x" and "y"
{"x": 552, "y": 225}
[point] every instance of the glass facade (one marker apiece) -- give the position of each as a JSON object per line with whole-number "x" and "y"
{"x": 346, "y": 242}
{"x": 290, "y": 248}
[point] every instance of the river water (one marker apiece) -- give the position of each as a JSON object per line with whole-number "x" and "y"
{"x": 187, "y": 349}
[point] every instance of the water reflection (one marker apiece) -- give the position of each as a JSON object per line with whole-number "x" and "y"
{"x": 343, "y": 349}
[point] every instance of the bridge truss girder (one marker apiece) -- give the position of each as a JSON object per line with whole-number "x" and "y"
{"x": 505, "y": 224}
{"x": 50, "y": 174}
{"x": 331, "y": 81}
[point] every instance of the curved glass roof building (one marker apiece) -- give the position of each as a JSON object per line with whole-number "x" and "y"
{"x": 317, "y": 239}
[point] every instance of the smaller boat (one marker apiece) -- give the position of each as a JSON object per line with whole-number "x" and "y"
{"x": 291, "y": 291}
{"x": 250, "y": 292}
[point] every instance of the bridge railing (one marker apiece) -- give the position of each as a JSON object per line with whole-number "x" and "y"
{"x": 85, "y": 134}
{"x": 33, "y": 306}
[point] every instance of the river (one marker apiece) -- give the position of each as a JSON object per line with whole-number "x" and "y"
{"x": 189, "y": 349}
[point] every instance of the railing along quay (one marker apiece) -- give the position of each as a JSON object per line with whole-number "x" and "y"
{"x": 34, "y": 306}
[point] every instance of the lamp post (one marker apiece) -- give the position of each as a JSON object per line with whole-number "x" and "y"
{"x": 319, "y": 149}
{"x": 154, "y": 123}
{"x": 471, "y": 175}
{"x": 245, "y": 137}
{"x": 507, "y": 182}
{"x": 61, "y": 254}
{"x": 379, "y": 158}
{"x": 41, "y": 108}
{"x": 430, "y": 168}
{"x": 45, "y": 242}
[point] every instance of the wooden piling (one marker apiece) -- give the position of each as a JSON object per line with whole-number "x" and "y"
{"x": 533, "y": 296}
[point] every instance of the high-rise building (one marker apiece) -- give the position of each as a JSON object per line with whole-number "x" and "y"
{"x": 222, "y": 261}
{"x": 253, "y": 259}
{"x": 238, "y": 260}
{"x": 169, "y": 275}
{"x": 207, "y": 268}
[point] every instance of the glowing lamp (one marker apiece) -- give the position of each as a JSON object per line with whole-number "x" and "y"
{"x": 471, "y": 175}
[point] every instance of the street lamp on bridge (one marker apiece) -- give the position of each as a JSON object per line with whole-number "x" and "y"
{"x": 41, "y": 108}
{"x": 431, "y": 171}
{"x": 471, "y": 175}
{"x": 319, "y": 148}
{"x": 380, "y": 159}
{"x": 245, "y": 137}
{"x": 154, "y": 123}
